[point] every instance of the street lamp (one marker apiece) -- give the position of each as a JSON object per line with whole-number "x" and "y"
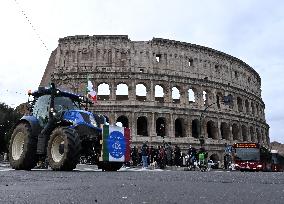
{"x": 228, "y": 100}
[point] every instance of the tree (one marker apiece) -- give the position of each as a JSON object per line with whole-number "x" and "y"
{"x": 8, "y": 119}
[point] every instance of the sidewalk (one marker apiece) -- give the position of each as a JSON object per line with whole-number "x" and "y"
{"x": 4, "y": 164}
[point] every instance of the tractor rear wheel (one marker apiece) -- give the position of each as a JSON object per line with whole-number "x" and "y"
{"x": 22, "y": 149}
{"x": 63, "y": 150}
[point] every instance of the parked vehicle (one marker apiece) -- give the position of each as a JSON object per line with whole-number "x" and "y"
{"x": 58, "y": 129}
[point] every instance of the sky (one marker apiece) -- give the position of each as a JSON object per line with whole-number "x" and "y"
{"x": 251, "y": 30}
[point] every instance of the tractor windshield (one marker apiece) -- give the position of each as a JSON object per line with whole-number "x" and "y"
{"x": 63, "y": 103}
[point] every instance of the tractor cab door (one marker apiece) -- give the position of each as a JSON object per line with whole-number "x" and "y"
{"x": 41, "y": 109}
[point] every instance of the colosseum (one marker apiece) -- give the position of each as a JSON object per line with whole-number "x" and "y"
{"x": 164, "y": 90}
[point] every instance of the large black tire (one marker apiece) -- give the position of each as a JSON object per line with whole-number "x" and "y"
{"x": 63, "y": 150}
{"x": 110, "y": 166}
{"x": 22, "y": 148}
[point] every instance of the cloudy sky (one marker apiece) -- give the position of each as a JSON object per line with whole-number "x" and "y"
{"x": 251, "y": 30}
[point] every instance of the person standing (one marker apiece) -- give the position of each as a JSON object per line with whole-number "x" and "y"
{"x": 177, "y": 156}
{"x": 144, "y": 154}
{"x": 161, "y": 158}
{"x": 169, "y": 153}
{"x": 134, "y": 155}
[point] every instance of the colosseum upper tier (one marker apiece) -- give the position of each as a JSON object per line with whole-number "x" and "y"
{"x": 164, "y": 89}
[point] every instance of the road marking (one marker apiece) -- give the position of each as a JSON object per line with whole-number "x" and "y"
{"x": 91, "y": 169}
{"x": 87, "y": 169}
{"x": 6, "y": 169}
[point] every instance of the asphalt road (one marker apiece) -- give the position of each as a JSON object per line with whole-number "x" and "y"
{"x": 88, "y": 185}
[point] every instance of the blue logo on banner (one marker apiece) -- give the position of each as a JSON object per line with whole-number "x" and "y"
{"x": 116, "y": 144}
{"x": 228, "y": 149}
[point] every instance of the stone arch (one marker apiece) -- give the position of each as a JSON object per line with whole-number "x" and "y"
{"x": 124, "y": 120}
{"x": 179, "y": 128}
{"x": 247, "y": 106}
{"x": 176, "y": 94}
{"x": 225, "y": 131}
{"x": 161, "y": 126}
{"x": 195, "y": 128}
{"x": 122, "y": 92}
{"x": 252, "y": 135}
{"x": 141, "y": 92}
{"x": 240, "y": 104}
{"x": 159, "y": 93}
{"x": 235, "y": 132}
{"x": 212, "y": 130}
{"x": 142, "y": 126}
{"x": 214, "y": 157}
{"x": 103, "y": 91}
{"x": 244, "y": 133}
{"x": 191, "y": 95}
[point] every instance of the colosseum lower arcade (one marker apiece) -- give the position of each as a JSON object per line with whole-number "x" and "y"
{"x": 160, "y": 89}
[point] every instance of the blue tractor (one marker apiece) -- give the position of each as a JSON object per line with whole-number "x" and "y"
{"x": 59, "y": 131}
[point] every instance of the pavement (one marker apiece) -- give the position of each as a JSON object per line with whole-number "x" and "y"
{"x": 137, "y": 185}
{"x": 5, "y": 166}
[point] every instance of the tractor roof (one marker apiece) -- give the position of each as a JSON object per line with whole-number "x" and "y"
{"x": 47, "y": 91}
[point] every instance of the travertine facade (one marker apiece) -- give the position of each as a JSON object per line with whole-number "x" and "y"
{"x": 190, "y": 78}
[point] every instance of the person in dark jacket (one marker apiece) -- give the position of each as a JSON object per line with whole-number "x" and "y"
{"x": 144, "y": 154}
{"x": 177, "y": 155}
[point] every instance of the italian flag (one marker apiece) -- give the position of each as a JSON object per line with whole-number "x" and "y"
{"x": 116, "y": 144}
{"x": 91, "y": 93}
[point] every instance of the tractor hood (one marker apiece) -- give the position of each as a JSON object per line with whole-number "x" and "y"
{"x": 80, "y": 117}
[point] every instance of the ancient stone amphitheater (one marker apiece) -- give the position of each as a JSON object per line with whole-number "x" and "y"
{"x": 161, "y": 88}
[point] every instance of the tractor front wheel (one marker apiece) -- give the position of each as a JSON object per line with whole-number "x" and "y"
{"x": 63, "y": 149}
{"x": 22, "y": 149}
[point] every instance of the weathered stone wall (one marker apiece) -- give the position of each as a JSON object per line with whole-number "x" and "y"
{"x": 114, "y": 60}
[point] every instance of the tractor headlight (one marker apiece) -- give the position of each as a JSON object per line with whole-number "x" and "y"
{"x": 93, "y": 121}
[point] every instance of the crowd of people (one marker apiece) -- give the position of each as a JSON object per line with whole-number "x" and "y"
{"x": 165, "y": 155}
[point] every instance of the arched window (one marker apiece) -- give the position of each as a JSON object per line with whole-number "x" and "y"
{"x": 175, "y": 95}
{"x": 191, "y": 96}
{"x": 103, "y": 92}
{"x": 141, "y": 92}
{"x": 256, "y": 109}
{"x": 252, "y": 108}
{"x": 225, "y": 131}
{"x": 211, "y": 130}
{"x": 142, "y": 126}
{"x": 252, "y": 135}
{"x": 161, "y": 127}
{"x": 214, "y": 158}
{"x": 235, "y": 132}
{"x": 247, "y": 106}
{"x": 240, "y": 104}
{"x": 179, "y": 127}
{"x": 205, "y": 97}
{"x": 124, "y": 120}
{"x": 195, "y": 128}
{"x": 219, "y": 98}
{"x": 122, "y": 92}
{"x": 159, "y": 94}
